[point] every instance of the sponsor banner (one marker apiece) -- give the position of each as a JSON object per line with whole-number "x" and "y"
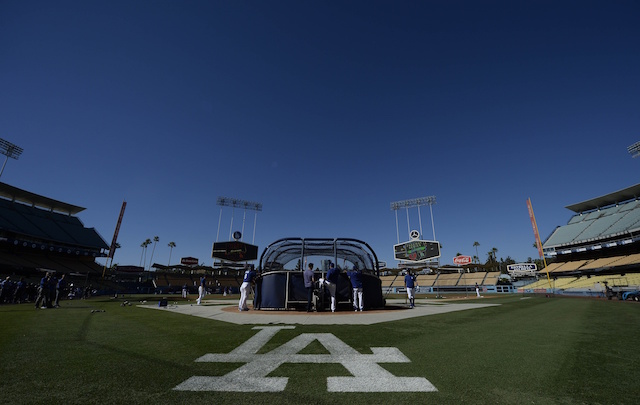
{"x": 462, "y": 259}
{"x": 189, "y": 261}
{"x": 130, "y": 269}
{"x": 522, "y": 267}
{"x": 234, "y": 251}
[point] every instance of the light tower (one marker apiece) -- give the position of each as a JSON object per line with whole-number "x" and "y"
{"x": 634, "y": 149}
{"x": 416, "y": 252}
{"x": 237, "y": 203}
{"x": 10, "y": 151}
{"x": 414, "y": 202}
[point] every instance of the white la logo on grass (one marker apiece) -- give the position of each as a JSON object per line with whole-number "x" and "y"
{"x": 368, "y": 376}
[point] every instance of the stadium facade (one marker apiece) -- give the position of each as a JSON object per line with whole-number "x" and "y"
{"x": 598, "y": 250}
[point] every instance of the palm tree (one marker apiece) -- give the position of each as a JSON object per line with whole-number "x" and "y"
{"x": 171, "y": 245}
{"x": 494, "y": 250}
{"x": 144, "y": 246}
{"x": 156, "y": 239}
{"x": 475, "y": 245}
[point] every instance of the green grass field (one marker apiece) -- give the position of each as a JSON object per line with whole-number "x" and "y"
{"x": 528, "y": 350}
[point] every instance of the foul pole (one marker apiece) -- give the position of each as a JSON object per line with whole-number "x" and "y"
{"x": 537, "y": 235}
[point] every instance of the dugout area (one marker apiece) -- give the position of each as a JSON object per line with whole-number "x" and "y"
{"x": 279, "y": 288}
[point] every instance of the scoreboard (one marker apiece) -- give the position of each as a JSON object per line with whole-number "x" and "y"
{"x": 417, "y": 250}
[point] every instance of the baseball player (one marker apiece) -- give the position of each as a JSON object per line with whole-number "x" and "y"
{"x": 410, "y": 284}
{"x": 331, "y": 281}
{"x": 201, "y": 289}
{"x": 355, "y": 276}
{"x": 249, "y": 277}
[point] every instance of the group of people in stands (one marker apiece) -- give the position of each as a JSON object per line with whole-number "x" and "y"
{"x": 45, "y": 294}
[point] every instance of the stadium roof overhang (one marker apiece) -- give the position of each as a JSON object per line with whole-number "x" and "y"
{"x": 626, "y": 194}
{"x": 36, "y": 200}
{"x": 283, "y": 251}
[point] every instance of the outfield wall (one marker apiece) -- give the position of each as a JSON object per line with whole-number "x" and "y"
{"x": 492, "y": 289}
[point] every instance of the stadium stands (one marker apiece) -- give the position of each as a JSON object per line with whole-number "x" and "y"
{"x": 447, "y": 280}
{"x": 593, "y": 283}
{"x": 471, "y": 279}
{"x": 611, "y": 218}
{"x": 492, "y": 278}
{"x": 38, "y": 233}
{"x": 426, "y": 280}
{"x": 444, "y": 282}
{"x": 599, "y": 246}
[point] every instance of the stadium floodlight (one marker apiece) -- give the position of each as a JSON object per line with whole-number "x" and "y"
{"x": 10, "y": 151}
{"x": 415, "y": 202}
{"x": 634, "y": 149}
{"x": 237, "y": 203}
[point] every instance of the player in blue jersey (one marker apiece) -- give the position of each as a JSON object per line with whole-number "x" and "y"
{"x": 43, "y": 292}
{"x": 356, "y": 277}
{"x": 249, "y": 278}
{"x": 331, "y": 282}
{"x": 410, "y": 284}
{"x": 61, "y": 285}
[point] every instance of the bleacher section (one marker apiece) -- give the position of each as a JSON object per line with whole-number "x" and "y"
{"x": 426, "y": 280}
{"x": 628, "y": 260}
{"x": 34, "y": 223}
{"x": 571, "y": 266}
{"x": 610, "y": 218}
{"x": 492, "y": 278}
{"x": 592, "y": 266}
{"x": 600, "y": 224}
{"x": 447, "y": 280}
{"x": 600, "y": 245}
{"x": 39, "y": 234}
{"x": 454, "y": 282}
{"x": 594, "y": 283}
{"x": 471, "y": 279}
{"x": 392, "y": 281}
{"x": 602, "y": 262}
{"x": 587, "y": 275}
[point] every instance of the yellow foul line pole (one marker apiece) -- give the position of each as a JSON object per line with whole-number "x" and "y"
{"x": 537, "y": 235}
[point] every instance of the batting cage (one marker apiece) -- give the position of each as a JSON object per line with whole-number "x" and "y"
{"x": 279, "y": 288}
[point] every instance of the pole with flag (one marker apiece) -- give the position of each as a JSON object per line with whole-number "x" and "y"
{"x": 537, "y": 235}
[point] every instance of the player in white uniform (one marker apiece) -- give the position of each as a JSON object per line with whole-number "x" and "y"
{"x": 249, "y": 277}
{"x": 201, "y": 290}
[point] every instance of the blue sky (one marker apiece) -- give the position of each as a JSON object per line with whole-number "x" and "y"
{"x": 323, "y": 111}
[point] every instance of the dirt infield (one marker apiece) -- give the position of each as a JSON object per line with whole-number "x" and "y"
{"x": 222, "y": 311}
